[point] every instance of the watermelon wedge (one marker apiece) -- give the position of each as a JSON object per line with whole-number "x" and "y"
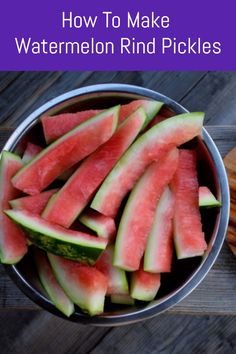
{"x": 103, "y": 225}
{"x": 86, "y": 286}
{"x": 72, "y": 198}
{"x": 144, "y": 285}
{"x": 33, "y": 203}
{"x": 206, "y": 198}
{"x": 188, "y": 236}
{"x": 54, "y": 238}
{"x": 56, "y": 126}
{"x": 138, "y": 215}
{"x": 55, "y": 292}
{"x": 13, "y": 243}
{"x": 152, "y": 145}
{"x": 30, "y": 152}
{"x": 122, "y": 299}
{"x": 117, "y": 281}
{"x": 150, "y": 107}
{"x": 65, "y": 152}
{"x": 159, "y": 248}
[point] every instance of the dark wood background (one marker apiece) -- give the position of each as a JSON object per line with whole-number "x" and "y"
{"x": 26, "y": 329}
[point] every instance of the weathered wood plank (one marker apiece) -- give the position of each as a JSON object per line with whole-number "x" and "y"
{"x": 31, "y": 90}
{"x": 214, "y": 94}
{"x": 172, "y": 334}
{"x": 49, "y": 334}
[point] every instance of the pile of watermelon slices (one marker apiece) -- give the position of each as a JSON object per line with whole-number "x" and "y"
{"x": 104, "y": 203}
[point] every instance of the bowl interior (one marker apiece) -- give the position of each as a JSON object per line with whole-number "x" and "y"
{"x": 25, "y": 274}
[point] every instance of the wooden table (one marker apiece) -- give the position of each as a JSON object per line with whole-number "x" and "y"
{"x": 214, "y": 93}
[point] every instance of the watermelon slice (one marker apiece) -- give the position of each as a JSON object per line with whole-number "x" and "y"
{"x": 103, "y": 225}
{"x": 159, "y": 248}
{"x": 72, "y": 198}
{"x": 65, "y": 152}
{"x": 56, "y": 126}
{"x": 54, "y": 290}
{"x": 206, "y": 198}
{"x": 188, "y": 236}
{"x": 144, "y": 285}
{"x": 122, "y": 299}
{"x": 86, "y": 286}
{"x": 54, "y": 238}
{"x": 31, "y": 151}
{"x": 150, "y": 107}
{"x": 138, "y": 215}
{"x": 13, "y": 243}
{"x": 33, "y": 203}
{"x": 152, "y": 145}
{"x": 117, "y": 281}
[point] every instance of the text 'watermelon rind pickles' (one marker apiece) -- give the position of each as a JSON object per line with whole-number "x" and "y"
{"x": 150, "y": 146}
{"x": 72, "y": 147}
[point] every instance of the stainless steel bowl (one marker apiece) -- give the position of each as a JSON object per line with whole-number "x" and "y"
{"x": 187, "y": 274}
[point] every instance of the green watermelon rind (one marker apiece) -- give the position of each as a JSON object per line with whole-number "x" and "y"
{"x": 151, "y": 108}
{"x": 55, "y": 242}
{"x": 152, "y": 241}
{"x": 208, "y": 201}
{"x": 91, "y": 224}
{"x": 120, "y": 237}
{"x": 157, "y": 132}
{"x": 139, "y": 292}
{"x": 78, "y": 128}
{"x": 62, "y": 303}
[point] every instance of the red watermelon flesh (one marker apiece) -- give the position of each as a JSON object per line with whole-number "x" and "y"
{"x": 33, "y": 203}
{"x": 151, "y": 146}
{"x": 159, "y": 248}
{"x": 13, "y": 243}
{"x": 162, "y": 115}
{"x": 86, "y": 286}
{"x": 144, "y": 285}
{"x": 31, "y": 151}
{"x": 51, "y": 285}
{"x": 207, "y": 198}
{"x": 56, "y": 126}
{"x": 72, "y": 198}
{"x": 117, "y": 281}
{"x": 138, "y": 215}
{"x": 188, "y": 236}
{"x": 65, "y": 152}
{"x": 150, "y": 108}
{"x": 103, "y": 225}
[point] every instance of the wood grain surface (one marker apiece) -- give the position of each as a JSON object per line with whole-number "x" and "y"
{"x": 26, "y": 331}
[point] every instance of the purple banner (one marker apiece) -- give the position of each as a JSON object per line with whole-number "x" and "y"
{"x": 117, "y": 35}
